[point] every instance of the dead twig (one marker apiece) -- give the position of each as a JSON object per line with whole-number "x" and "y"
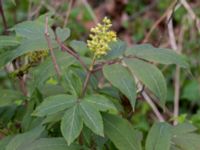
{"x": 191, "y": 13}
{"x": 171, "y": 7}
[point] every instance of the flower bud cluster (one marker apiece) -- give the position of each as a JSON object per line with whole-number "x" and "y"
{"x": 101, "y": 36}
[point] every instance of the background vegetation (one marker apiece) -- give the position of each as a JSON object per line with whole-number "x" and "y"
{"x": 138, "y": 96}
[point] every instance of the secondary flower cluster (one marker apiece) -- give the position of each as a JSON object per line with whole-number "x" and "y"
{"x": 35, "y": 57}
{"x": 101, "y": 37}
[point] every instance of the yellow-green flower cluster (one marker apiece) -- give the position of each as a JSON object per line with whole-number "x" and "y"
{"x": 101, "y": 36}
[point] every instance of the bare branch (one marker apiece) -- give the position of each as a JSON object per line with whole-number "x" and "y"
{"x": 72, "y": 53}
{"x": 191, "y": 13}
{"x": 159, "y": 21}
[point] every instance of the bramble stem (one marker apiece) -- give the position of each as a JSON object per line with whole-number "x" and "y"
{"x": 56, "y": 67}
{"x": 72, "y": 53}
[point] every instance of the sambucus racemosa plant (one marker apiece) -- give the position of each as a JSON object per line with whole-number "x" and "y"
{"x": 74, "y": 95}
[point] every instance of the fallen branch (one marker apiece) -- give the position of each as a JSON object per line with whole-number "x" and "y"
{"x": 174, "y": 46}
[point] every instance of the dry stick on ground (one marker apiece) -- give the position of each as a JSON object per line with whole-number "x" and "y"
{"x": 47, "y": 36}
{"x": 159, "y": 21}
{"x": 68, "y": 12}
{"x": 174, "y": 46}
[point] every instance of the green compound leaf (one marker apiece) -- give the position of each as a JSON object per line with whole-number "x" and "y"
{"x": 122, "y": 79}
{"x": 101, "y": 102}
{"x": 71, "y": 124}
{"x": 54, "y": 104}
{"x": 91, "y": 117}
